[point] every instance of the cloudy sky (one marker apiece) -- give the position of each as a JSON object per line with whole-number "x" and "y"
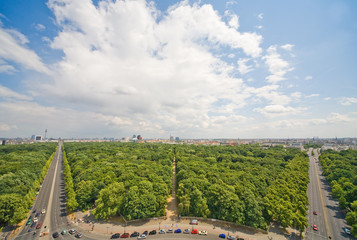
{"x": 193, "y": 69}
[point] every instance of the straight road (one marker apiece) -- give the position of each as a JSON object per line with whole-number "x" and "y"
{"x": 329, "y": 219}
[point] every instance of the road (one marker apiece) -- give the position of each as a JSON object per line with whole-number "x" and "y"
{"x": 329, "y": 219}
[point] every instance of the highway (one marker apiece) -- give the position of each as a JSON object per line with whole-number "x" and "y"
{"x": 329, "y": 219}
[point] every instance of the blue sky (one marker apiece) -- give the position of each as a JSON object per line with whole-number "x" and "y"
{"x": 193, "y": 69}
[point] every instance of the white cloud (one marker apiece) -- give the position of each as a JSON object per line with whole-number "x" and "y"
{"x": 278, "y": 110}
{"x": 308, "y": 77}
{"x": 260, "y": 16}
{"x": 259, "y": 27}
{"x": 296, "y": 95}
{"x": 12, "y": 48}
{"x": 243, "y": 68}
{"x": 347, "y": 101}
{"x": 40, "y": 27}
{"x": 233, "y": 22}
{"x": 313, "y": 95}
{"x": 287, "y": 47}
{"x": 5, "y": 127}
{"x": 270, "y": 93}
{"x": 327, "y": 98}
{"x": 9, "y": 94}
{"x": 277, "y": 66}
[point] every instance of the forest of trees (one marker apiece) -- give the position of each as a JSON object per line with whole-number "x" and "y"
{"x": 243, "y": 184}
{"x": 133, "y": 180}
{"x": 22, "y": 169}
{"x": 340, "y": 169}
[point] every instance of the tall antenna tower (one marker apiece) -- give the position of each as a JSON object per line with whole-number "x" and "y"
{"x": 45, "y": 133}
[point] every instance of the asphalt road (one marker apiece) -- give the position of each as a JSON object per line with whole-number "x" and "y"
{"x": 329, "y": 219}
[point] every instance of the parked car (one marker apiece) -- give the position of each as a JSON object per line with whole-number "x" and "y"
{"x": 170, "y": 230}
{"x": 194, "y": 231}
{"x": 37, "y": 214}
{"x": 78, "y": 235}
{"x": 145, "y": 233}
{"x": 222, "y": 235}
{"x": 38, "y": 225}
{"x": 203, "y": 232}
{"x": 194, "y": 222}
{"x": 29, "y": 230}
{"x": 314, "y": 227}
{"x": 43, "y": 234}
{"x": 142, "y": 236}
{"x": 186, "y": 231}
{"x": 34, "y": 211}
{"x": 33, "y": 224}
{"x": 35, "y": 219}
{"x": 43, "y": 211}
{"x": 115, "y": 235}
{"x": 29, "y": 221}
{"x": 162, "y": 231}
{"x": 125, "y": 235}
{"x": 314, "y": 212}
{"x": 134, "y": 234}
{"x": 178, "y": 230}
{"x": 55, "y": 235}
{"x": 153, "y": 232}
{"x": 231, "y": 237}
{"x": 72, "y": 231}
{"x": 64, "y": 232}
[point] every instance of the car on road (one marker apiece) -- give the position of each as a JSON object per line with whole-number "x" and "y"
{"x": 72, "y": 231}
{"x": 35, "y": 219}
{"x": 37, "y": 214}
{"x": 194, "y": 231}
{"x": 314, "y": 227}
{"x": 153, "y": 232}
{"x": 125, "y": 235}
{"x": 170, "y": 230}
{"x": 203, "y": 232}
{"x": 194, "y": 222}
{"x": 186, "y": 231}
{"x": 348, "y": 231}
{"x": 142, "y": 236}
{"x": 43, "y": 211}
{"x": 33, "y": 224}
{"x": 34, "y": 211}
{"x": 230, "y": 237}
{"x": 29, "y": 230}
{"x": 162, "y": 231}
{"x": 135, "y": 234}
{"x": 55, "y": 235}
{"x": 78, "y": 235}
{"x": 222, "y": 235}
{"x": 178, "y": 230}
{"x": 115, "y": 235}
{"x": 38, "y": 225}
{"x": 315, "y": 213}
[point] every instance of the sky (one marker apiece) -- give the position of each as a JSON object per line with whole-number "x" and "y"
{"x": 191, "y": 69}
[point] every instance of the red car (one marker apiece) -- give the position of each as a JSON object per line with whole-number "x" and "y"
{"x": 314, "y": 227}
{"x": 124, "y": 235}
{"x": 194, "y": 231}
{"x": 315, "y": 213}
{"x": 38, "y": 225}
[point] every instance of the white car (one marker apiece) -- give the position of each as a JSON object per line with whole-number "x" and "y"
{"x": 35, "y": 219}
{"x": 231, "y": 237}
{"x": 202, "y": 232}
{"x": 142, "y": 236}
{"x": 43, "y": 211}
{"x": 162, "y": 231}
{"x": 347, "y": 231}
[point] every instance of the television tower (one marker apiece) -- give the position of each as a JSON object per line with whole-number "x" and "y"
{"x": 45, "y": 133}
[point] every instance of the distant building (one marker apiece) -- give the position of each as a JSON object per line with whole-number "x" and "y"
{"x": 3, "y": 142}
{"x": 171, "y": 138}
{"x": 177, "y": 139}
{"x": 38, "y": 138}
{"x": 139, "y": 137}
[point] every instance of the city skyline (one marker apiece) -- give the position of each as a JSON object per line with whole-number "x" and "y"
{"x": 195, "y": 69}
